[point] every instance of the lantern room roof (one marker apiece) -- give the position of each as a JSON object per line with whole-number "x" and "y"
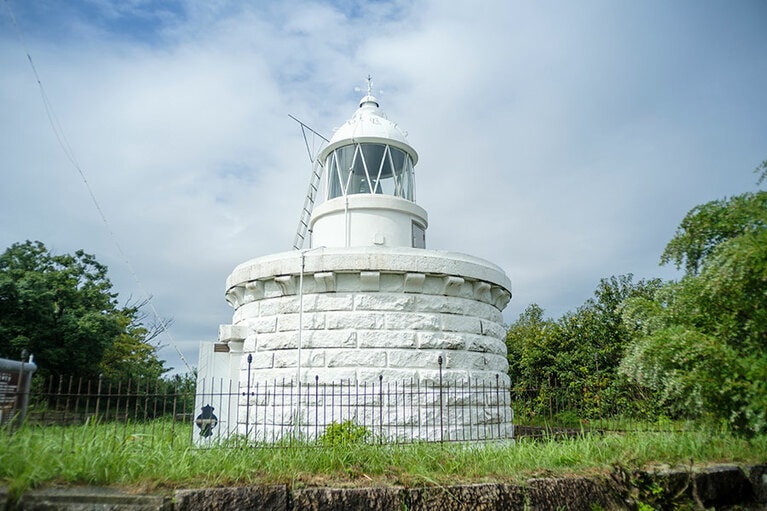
{"x": 370, "y": 124}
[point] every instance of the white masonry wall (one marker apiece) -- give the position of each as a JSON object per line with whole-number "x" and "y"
{"x": 371, "y": 316}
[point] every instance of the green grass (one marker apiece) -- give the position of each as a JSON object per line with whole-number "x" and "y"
{"x": 146, "y": 459}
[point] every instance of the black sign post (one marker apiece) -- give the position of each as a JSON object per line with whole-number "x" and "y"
{"x": 15, "y": 383}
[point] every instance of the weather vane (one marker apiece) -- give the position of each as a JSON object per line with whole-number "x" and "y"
{"x": 370, "y": 89}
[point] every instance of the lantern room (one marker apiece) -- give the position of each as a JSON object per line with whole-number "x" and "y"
{"x": 369, "y": 185}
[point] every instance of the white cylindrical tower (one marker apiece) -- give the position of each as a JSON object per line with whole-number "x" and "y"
{"x": 369, "y": 186}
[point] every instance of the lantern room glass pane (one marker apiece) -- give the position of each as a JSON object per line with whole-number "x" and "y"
{"x": 370, "y": 168}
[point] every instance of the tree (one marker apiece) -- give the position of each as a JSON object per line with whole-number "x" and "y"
{"x": 702, "y": 341}
{"x": 62, "y": 309}
{"x": 580, "y": 353}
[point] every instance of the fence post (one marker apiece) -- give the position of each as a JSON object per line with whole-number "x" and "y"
{"x": 247, "y": 401}
{"x": 498, "y": 402}
{"x": 380, "y": 408}
{"x": 441, "y": 430}
{"x": 317, "y": 406}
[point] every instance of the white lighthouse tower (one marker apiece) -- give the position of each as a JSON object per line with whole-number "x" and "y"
{"x": 365, "y": 325}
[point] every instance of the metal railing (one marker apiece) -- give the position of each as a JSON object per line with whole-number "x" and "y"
{"x": 381, "y": 411}
{"x": 269, "y": 413}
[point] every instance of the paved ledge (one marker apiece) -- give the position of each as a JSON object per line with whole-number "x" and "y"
{"x": 723, "y": 487}
{"x": 91, "y": 499}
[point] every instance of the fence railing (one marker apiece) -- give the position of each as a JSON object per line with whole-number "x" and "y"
{"x": 380, "y": 411}
{"x": 319, "y": 413}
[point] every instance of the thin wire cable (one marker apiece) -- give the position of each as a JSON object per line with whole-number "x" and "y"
{"x": 70, "y": 154}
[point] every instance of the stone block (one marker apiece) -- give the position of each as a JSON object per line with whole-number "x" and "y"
{"x": 370, "y": 280}
{"x": 492, "y": 329}
{"x": 309, "y": 321}
{"x": 412, "y": 321}
{"x": 325, "y": 281}
{"x": 354, "y": 320}
{"x": 260, "y": 360}
{"x": 254, "y": 290}
{"x": 391, "y": 377}
{"x": 482, "y": 291}
{"x": 458, "y": 305}
{"x": 356, "y": 358}
{"x": 757, "y": 475}
{"x": 465, "y": 498}
{"x": 386, "y": 339}
{"x": 383, "y": 302}
{"x": 277, "y": 341}
{"x": 329, "y": 339}
{"x": 348, "y": 499}
{"x": 91, "y": 498}
{"x": 413, "y": 358}
{"x": 722, "y": 485}
{"x": 3, "y": 498}
{"x": 414, "y": 282}
{"x": 285, "y": 358}
{"x": 250, "y": 343}
{"x": 253, "y": 498}
{"x": 485, "y": 344}
{"x": 572, "y": 493}
{"x": 334, "y": 302}
{"x": 466, "y": 360}
{"x": 288, "y": 284}
{"x": 441, "y": 340}
{"x": 232, "y": 333}
{"x": 263, "y": 324}
{"x": 452, "y": 285}
{"x": 456, "y": 323}
{"x": 278, "y": 305}
{"x": 312, "y": 358}
{"x": 234, "y": 296}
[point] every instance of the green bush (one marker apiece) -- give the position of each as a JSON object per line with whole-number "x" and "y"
{"x": 344, "y": 433}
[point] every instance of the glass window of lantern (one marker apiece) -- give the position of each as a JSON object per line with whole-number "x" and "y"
{"x": 370, "y": 168}
{"x": 359, "y": 180}
{"x": 339, "y": 164}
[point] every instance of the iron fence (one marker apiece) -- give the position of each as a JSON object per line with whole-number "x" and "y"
{"x": 400, "y": 411}
{"x": 220, "y": 412}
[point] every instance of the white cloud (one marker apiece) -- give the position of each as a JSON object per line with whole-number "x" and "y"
{"x": 562, "y": 141}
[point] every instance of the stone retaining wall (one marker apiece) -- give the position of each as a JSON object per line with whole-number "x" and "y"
{"x": 719, "y": 487}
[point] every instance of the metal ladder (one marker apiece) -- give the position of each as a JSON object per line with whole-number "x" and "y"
{"x": 314, "y": 185}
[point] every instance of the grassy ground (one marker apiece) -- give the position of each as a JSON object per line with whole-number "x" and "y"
{"x": 100, "y": 455}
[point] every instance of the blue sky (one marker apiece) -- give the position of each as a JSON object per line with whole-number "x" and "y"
{"x": 562, "y": 141}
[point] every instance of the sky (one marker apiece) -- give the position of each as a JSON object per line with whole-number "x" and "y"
{"x": 563, "y": 141}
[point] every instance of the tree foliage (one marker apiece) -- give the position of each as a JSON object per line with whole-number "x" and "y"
{"x": 578, "y": 354}
{"x": 702, "y": 341}
{"x": 62, "y": 309}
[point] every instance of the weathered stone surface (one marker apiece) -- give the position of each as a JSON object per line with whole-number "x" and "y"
{"x": 362, "y": 358}
{"x": 469, "y": 497}
{"x": 571, "y": 494}
{"x": 456, "y": 323}
{"x": 383, "y": 302}
{"x": 349, "y": 499}
{"x": 757, "y": 476}
{"x": 721, "y": 485}
{"x": 250, "y": 498}
{"x": 90, "y": 499}
{"x": 386, "y": 339}
{"x": 3, "y": 498}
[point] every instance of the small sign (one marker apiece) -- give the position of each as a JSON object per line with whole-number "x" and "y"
{"x": 206, "y": 421}
{"x": 9, "y": 394}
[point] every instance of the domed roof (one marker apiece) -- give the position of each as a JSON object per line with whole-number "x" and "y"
{"x": 370, "y": 124}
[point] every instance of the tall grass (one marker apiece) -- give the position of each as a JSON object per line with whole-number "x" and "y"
{"x": 93, "y": 454}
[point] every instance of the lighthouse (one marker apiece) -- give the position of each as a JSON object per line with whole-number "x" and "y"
{"x": 361, "y": 322}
